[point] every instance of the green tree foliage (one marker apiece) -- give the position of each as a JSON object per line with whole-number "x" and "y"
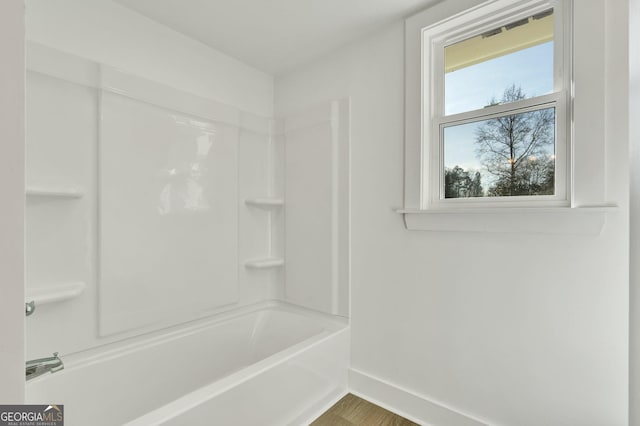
{"x": 460, "y": 183}
{"x": 515, "y": 149}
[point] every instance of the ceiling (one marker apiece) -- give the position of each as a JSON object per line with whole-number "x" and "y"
{"x": 275, "y": 35}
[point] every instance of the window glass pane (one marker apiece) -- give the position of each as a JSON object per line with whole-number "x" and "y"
{"x": 478, "y": 70}
{"x": 512, "y": 155}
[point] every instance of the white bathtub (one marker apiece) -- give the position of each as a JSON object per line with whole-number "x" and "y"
{"x": 269, "y": 365}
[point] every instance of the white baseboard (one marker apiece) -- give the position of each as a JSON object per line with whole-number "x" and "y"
{"x": 405, "y": 403}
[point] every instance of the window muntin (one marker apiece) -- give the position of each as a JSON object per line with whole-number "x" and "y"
{"x": 550, "y": 91}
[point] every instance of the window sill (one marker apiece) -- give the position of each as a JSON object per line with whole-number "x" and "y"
{"x": 552, "y": 220}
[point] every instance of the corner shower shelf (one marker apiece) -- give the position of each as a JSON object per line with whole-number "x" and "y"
{"x": 58, "y": 192}
{"x": 264, "y": 202}
{"x": 56, "y": 293}
{"x": 265, "y": 263}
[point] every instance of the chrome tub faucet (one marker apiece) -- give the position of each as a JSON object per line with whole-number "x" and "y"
{"x": 38, "y": 367}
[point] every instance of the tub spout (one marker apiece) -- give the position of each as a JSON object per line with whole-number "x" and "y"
{"x": 38, "y": 367}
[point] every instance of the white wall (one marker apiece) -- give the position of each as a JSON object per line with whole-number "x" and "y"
{"x": 634, "y": 137}
{"x": 12, "y": 193}
{"x": 109, "y": 33}
{"x": 508, "y": 328}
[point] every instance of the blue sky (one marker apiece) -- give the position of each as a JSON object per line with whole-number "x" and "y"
{"x": 473, "y": 87}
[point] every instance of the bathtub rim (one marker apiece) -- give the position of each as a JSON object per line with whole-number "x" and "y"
{"x": 209, "y": 391}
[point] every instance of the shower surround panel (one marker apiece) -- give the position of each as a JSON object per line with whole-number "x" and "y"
{"x": 157, "y": 231}
{"x": 168, "y": 214}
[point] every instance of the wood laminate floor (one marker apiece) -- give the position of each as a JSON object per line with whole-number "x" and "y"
{"x": 354, "y": 411}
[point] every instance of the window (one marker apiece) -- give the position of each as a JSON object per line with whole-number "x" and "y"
{"x": 495, "y": 107}
{"x": 541, "y": 71}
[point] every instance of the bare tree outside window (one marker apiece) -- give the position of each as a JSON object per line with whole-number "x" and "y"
{"x": 515, "y": 155}
{"x": 518, "y": 149}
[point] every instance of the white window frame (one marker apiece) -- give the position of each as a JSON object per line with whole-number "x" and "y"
{"x": 467, "y": 24}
